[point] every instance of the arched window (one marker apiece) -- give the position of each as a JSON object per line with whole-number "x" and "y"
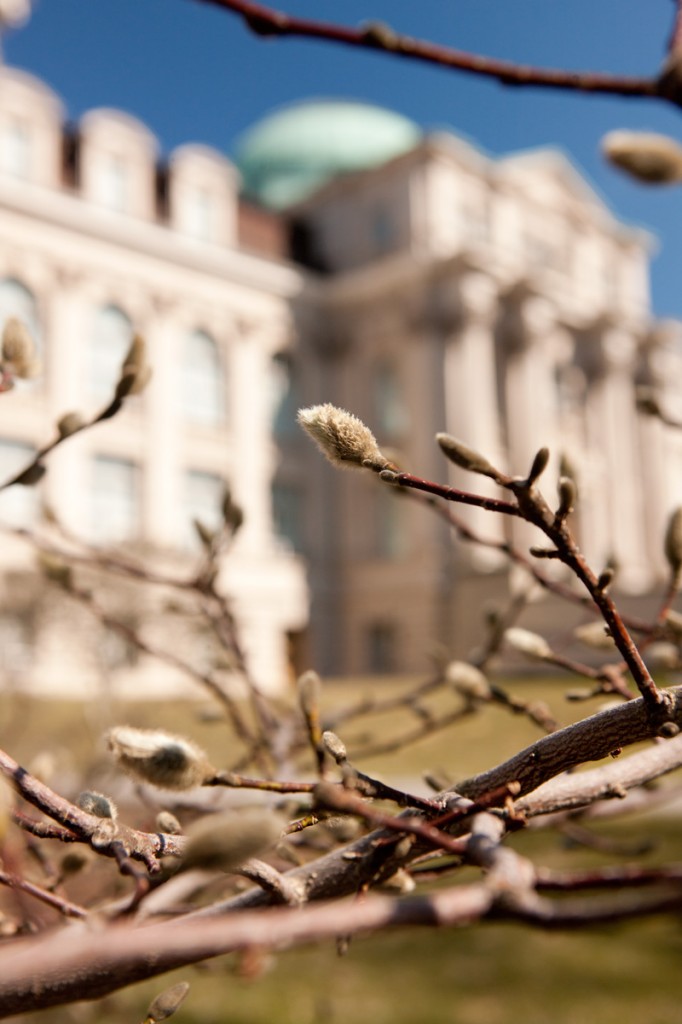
{"x": 111, "y": 336}
{"x": 202, "y": 387}
{"x": 17, "y": 300}
{"x": 115, "y": 498}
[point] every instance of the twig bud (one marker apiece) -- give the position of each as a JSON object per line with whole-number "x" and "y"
{"x": 166, "y": 1003}
{"x": 467, "y": 680}
{"x": 223, "y": 841}
{"x": 593, "y": 634}
{"x": 531, "y": 644}
{"x": 98, "y": 804}
{"x": 135, "y": 367}
{"x": 673, "y": 542}
{"x": 309, "y": 688}
{"x": 70, "y": 423}
{"x": 466, "y": 458}
{"x": 538, "y": 466}
{"x": 342, "y": 437}
{"x": 18, "y": 350}
{"x": 157, "y": 757}
{"x": 567, "y": 497}
{"x": 335, "y": 746}
{"x": 167, "y": 822}
{"x": 647, "y": 156}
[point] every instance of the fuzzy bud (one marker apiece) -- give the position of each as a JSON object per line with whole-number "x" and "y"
{"x": 342, "y": 437}
{"x": 567, "y": 496}
{"x": 467, "y": 680}
{"x": 673, "y": 541}
{"x": 465, "y": 457}
{"x": 335, "y": 746}
{"x": 166, "y": 1003}
{"x": 531, "y": 644}
{"x": 593, "y": 634}
{"x": 223, "y": 841}
{"x": 650, "y": 158}
{"x": 70, "y": 423}
{"x": 168, "y": 823}
{"x": 309, "y": 687}
{"x": 157, "y": 757}
{"x": 98, "y": 804}
{"x": 18, "y": 350}
{"x": 538, "y": 466}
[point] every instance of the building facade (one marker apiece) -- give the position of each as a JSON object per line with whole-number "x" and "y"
{"x": 411, "y": 280}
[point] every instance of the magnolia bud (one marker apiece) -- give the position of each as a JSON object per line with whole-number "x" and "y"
{"x": 673, "y": 541}
{"x": 224, "y": 841}
{"x": 467, "y": 680}
{"x": 335, "y": 746}
{"x": 98, "y": 804}
{"x": 465, "y": 457}
{"x": 70, "y": 423}
{"x": 650, "y": 158}
{"x": 342, "y": 437}
{"x": 593, "y": 634}
{"x": 531, "y": 644}
{"x": 166, "y": 1003}
{"x": 157, "y": 757}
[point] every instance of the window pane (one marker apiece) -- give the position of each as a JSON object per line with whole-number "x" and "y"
{"x": 111, "y": 336}
{"x": 15, "y": 151}
{"x": 287, "y": 512}
{"x": 390, "y": 410}
{"x": 115, "y": 500}
{"x": 18, "y": 505}
{"x": 381, "y": 647}
{"x": 202, "y": 499}
{"x": 284, "y": 395}
{"x": 201, "y": 384}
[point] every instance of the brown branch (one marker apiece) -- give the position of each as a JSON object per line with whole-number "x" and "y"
{"x": 266, "y": 21}
{"x": 64, "y": 906}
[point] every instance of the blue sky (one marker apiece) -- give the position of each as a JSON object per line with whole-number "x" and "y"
{"x": 193, "y": 72}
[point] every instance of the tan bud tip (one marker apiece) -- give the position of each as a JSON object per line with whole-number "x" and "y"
{"x": 467, "y": 680}
{"x": 342, "y": 437}
{"x": 70, "y": 423}
{"x": 525, "y": 642}
{"x": 464, "y": 457}
{"x": 309, "y": 690}
{"x": 18, "y": 349}
{"x": 98, "y": 804}
{"x": 673, "y": 541}
{"x": 167, "y": 1002}
{"x": 648, "y": 157}
{"x": 335, "y": 746}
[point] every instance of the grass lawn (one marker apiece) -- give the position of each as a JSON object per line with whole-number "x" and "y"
{"x": 491, "y": 974}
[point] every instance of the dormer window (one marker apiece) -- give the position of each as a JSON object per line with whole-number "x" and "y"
{"x": 201, "y": 214}
{"x": 113, "y": 183}
{"x": 15, "y": 151}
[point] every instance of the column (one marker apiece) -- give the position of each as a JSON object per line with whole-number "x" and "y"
{"x": 471, "y": 399}
{"x": 613, "y": 431}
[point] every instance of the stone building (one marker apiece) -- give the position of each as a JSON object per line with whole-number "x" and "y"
{"x": 410, "y": 279}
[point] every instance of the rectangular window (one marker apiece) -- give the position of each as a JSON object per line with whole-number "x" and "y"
{"x": 18, "y": 504}
{"x": 382, "y": 638}
{"x": 202, "y": 500}
{"x": 115, "y": 507}
{"x": 15, "y": 151}
{"x": 287, "y": 513}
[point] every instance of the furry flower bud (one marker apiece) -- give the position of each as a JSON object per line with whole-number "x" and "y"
{"x": 157, "y": 757}
{"x": 531, "y": 644}
{"x": 650, "y": 158}
{"x": 223, "y": 841}
{"x": 342, "y": 437}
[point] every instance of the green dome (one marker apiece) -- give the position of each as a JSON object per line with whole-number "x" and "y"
{"x": 294, "y": 151}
